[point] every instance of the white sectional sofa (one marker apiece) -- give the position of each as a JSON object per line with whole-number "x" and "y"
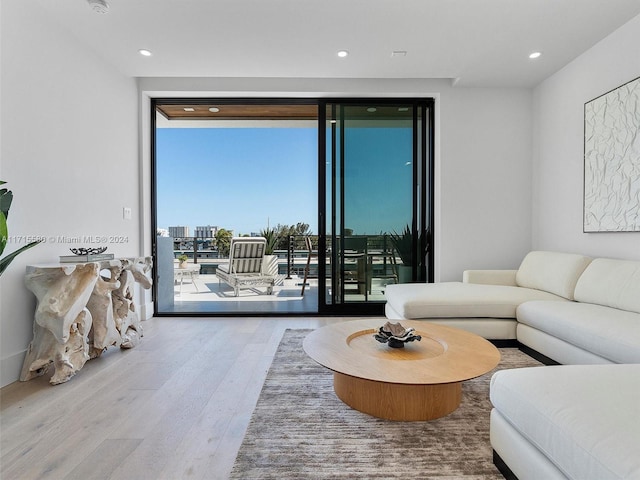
{"x": 578, "y": 420}
{"x": 485, "y": 302}
{"x": 602, "y": 325}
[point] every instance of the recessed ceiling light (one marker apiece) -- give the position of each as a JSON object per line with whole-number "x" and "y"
{"x": 403, "y": 109}
{"x": 214, "y": 109}
{"x": 189, "y": 109}
{"x": 399, "y": 53}
{"x": 144, "y": 52}
{"x": 343, "y": 53}
{"x": 98, "y": 6}
{"x": 535, "y": 55}
{"x": 372, "y": 109}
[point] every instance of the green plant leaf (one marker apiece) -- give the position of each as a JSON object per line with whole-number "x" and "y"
{"x": 403, "y": 243}
{"x": 271, "y": 235}
{"x": 3, "y": 232}
{"x": 4, "y": 263}
{"x": 6, "y": 197}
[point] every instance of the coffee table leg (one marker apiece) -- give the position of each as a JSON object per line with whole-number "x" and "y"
{"x": 393, "y": 401}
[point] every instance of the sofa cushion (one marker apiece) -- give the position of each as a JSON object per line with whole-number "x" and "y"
{"x": 614, "y": 283}
{"x": 552, "y": 272}
{"x": 490, "y": 277}
{"x": 456, "y": 299}
{"x": 607, "y": 332}
{"x": 584, "y": 418}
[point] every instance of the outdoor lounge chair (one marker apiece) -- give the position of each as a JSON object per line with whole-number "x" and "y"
{"x": 244, "y": 270}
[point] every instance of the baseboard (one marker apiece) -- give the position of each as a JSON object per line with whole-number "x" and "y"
{"x": 146, "y": 311}
{"x": 537, "y": 355}
{"x": 10, "y": 368}
{"x": 503, "y": 468}
{"x": 505, "y": 343}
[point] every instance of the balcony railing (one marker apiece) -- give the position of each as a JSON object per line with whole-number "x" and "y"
{"x": 292, "y": 260}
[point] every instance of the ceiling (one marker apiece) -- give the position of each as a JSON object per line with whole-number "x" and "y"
{"x": 472, "y": 42}
{"x": 278, "y": 111}
{"x": 232, "y": 111}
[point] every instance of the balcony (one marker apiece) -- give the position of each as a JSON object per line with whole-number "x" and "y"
{"x": 196, "y": 289}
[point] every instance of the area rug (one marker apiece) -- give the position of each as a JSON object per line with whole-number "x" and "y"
{"x": 301, "y": 430}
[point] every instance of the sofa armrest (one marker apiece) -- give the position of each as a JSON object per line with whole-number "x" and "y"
{"x": 490, "y": 277}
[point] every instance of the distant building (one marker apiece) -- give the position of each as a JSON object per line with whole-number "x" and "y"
{"x": 162, "y": 232}
{"x": 207, "y": 231}
{"x": 179, "y": 232}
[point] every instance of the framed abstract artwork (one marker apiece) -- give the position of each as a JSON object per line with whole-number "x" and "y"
{"x": 612, "y": 160}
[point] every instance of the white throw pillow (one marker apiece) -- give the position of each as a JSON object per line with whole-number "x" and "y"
{"x": 552, "y": 272}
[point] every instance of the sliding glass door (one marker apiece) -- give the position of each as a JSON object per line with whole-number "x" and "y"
{"x": 377, "y": 186}
{"x": 341, "y": 190}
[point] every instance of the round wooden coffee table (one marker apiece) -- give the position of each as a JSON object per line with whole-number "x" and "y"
{"x": 421, "y": 381}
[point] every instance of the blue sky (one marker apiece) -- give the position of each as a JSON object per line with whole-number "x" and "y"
{"x": 378, "y": 180}
{"x": 243, "y": 179}
{"x": 237, "y": 178}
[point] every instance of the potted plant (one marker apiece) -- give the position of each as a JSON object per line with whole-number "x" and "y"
{"x": 270, "y": 262}
{"x": 182, "y": 260}
{"x": 403, "y": 244}
{"x": 271, "y": 236}
{"x": 6, "y": 197}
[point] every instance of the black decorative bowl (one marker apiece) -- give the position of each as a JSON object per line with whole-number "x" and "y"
{"x": 395, "y": 335}
{"x": 88, "y": 251}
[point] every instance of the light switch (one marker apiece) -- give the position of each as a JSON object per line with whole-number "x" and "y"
{"x": 126, "y": 213}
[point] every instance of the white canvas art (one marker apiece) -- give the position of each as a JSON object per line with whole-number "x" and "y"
{"x": 612, "y": 161}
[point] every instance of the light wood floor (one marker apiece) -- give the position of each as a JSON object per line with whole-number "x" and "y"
{"x": 175, "y": 407}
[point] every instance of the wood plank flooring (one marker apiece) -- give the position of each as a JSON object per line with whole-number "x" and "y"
{"x": 175, "y": 407}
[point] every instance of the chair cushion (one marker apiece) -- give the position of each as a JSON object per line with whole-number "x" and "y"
{"x": 584, "y": 418}
{"x": 552, "y": 272}
{"x": 607, "y": 332}
{"x": 614, "y": 283}
{"x": 456, "y": 299}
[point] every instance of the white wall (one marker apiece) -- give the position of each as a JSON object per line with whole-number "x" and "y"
{"x": 69, "y": 152}
{"x": 485, "y": 180}
{"x": 559, "y": 146}
{"x": 483, "y": 157}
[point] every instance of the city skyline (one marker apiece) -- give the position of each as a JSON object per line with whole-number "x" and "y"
{"x": 196, "y": 231}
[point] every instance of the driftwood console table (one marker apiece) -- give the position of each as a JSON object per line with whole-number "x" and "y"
{"x": 83, "y": 308}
